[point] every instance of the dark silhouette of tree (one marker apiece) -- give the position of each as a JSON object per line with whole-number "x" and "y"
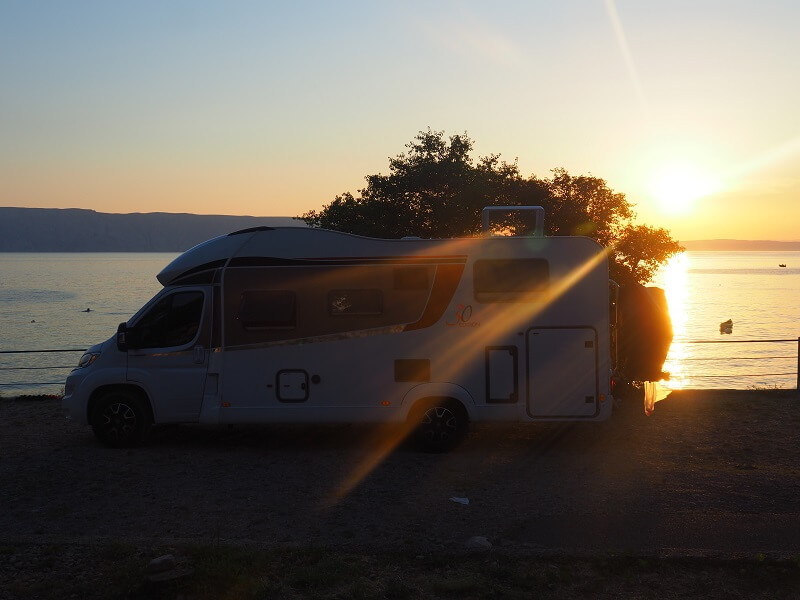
{"x": 437, "y": 190}
{"x": 639, "y": 250}
{"x": 585, "y": 205}
{"x": 434, "y": 189}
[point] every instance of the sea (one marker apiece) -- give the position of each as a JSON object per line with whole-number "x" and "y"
{"x": 43, "y": 306}
{"x": 67, "y": 302}
{"x": 759, "y": 292}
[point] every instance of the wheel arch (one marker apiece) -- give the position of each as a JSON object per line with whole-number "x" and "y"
{"x": 119, "y": 387}
{"x": 423, "y": 394}
{"x": 422, "y": 404}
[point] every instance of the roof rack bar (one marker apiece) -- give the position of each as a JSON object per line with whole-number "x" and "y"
{"x": 535, "y": 217}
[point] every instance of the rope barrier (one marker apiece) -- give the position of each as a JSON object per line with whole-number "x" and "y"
{"x": 734, "y": 358}
{"x": 735, "y": 375}
{"x": 682, "y": 376}
{"x": 35, "y": 351}
{"x": 732, "y": 341}
{"x": 35, "y": 368}
{"x": 28, "y": 384}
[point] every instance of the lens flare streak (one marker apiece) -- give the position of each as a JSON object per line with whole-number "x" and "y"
{"x": 506, "y": 317}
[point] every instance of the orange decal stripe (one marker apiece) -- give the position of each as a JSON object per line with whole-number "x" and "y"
{"x": 445, "y": 283}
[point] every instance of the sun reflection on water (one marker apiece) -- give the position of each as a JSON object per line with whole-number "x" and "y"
{"x": 674, "y": 278}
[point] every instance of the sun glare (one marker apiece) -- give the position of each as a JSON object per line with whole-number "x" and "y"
{"x": 674, "y": 279}
{"x": 677, "y": 188}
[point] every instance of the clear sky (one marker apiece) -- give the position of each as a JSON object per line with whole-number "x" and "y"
{"x": 691, "y": 108}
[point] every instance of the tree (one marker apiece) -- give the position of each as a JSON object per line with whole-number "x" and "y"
{"x": 639, "y": 251}
{"x": 436, "y": 189}
{"x": 585, "y": 205}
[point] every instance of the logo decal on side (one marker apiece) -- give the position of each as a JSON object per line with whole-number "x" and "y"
{"x": 463, "y": 315}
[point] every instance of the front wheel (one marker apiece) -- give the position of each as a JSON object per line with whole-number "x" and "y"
{"x": 120, "y": 419}
{"x": 441, "y": 425}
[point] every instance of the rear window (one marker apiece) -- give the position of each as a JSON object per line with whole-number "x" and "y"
{"x": 510, "y": 280}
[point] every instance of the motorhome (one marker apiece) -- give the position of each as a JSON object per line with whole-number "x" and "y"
{"x": 305, "y": 325}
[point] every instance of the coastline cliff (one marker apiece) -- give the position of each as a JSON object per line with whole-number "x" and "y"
{"x": 81, "y": 230}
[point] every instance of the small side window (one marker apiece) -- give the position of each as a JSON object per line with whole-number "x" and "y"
{"x": 355, "y": 302}
{"x": 268, "y": 309}
{"x": 510, "y": 280}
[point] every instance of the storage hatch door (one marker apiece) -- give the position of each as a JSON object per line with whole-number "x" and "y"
{"x": 562, "y": 372}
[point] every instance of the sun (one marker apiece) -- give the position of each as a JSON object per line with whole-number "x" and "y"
{"x": 678, "y": 187}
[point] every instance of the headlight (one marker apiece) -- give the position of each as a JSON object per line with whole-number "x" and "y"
{"x": 87, "y": 359}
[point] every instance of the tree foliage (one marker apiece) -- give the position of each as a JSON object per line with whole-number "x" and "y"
{"x": 639, "y": 250}
{"x": 435, "y": 189}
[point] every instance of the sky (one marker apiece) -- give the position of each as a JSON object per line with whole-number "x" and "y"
{"x": 689, "y": 108}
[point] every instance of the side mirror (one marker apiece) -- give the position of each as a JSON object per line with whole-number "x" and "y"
{"x": 122, "y": 337}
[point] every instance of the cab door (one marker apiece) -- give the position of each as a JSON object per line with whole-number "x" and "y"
{"x": 168, "y": 353}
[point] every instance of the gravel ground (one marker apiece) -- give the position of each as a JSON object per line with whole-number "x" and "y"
{"x": 713, "y": 473}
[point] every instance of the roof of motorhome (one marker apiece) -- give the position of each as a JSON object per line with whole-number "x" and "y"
{"x": 304, "y": 243}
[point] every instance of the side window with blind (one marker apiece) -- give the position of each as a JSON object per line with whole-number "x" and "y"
{"x": 272, "y": 304}
{"x": 410, "y": 278}
{"x": 270, "y": 309}
{"x": 510, "y": 280}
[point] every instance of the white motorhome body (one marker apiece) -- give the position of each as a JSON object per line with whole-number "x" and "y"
{"x": 309, "y": 325}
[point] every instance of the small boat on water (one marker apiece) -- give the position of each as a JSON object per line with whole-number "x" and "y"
{"x": 782, "y": 265}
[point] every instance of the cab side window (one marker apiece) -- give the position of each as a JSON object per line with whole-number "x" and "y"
{"x": 173, "y": 321}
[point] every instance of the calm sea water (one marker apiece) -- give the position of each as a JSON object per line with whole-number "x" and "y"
{"x": 43, "y": 298}
{"x": 762, "y": 299}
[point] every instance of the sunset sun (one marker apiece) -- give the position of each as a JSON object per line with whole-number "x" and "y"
{"x": 677, "y": 188}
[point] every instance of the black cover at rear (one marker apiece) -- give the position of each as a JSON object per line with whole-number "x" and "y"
{"x": 645, "y": 332}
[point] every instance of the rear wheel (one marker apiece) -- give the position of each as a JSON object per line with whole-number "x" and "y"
{"x": 441, "y": 424}
{"x": 120, "y": 419}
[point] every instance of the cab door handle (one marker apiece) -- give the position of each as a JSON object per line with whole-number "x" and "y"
{"x": 199, "y": 355}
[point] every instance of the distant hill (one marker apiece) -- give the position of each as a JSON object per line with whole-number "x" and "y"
{"x": 80, "y": 230}
{"x": 743, "y": 245}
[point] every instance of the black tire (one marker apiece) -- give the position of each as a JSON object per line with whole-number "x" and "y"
{"x": 120, "y": 419}
{"x": 440, "y": 425}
